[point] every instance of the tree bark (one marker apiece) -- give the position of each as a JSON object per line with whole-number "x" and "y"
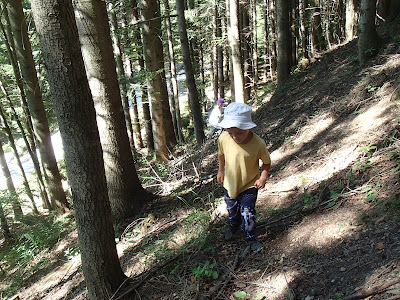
{"x": 58, "y": 35}
{"x": 118, "y": 52}
{"x": 144, "y": 94}
{"x": 368, "y": 39}
{"x": 152, "y": 48}
{"x": 284, "y": 44}
{"x": 36, "y": 106}
{"x": 125, "y": 191}
{"x": 351, "y": 18}
{"x": 190, "y": 82}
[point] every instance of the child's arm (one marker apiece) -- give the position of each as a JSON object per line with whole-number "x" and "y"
{"x": 221, "y": 173}
{"x": 260, "y": 183}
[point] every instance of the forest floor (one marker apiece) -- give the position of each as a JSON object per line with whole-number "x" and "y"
{"x": 329, "y": 216}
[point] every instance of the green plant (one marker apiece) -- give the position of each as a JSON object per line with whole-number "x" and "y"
{"x": 370, "y": 88}
{"x": 206, "y": 271}
{"x": 395, "y": 155}
{"x": 306, "y": 198}
{"x": 369, "y": 194}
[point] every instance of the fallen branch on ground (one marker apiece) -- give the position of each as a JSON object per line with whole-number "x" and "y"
{"x": 372, "y": 291}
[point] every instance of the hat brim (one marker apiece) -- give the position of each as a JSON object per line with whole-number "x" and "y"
{"x": 225, "y": 123}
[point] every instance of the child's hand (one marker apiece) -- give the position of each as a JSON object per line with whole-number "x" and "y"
{"x": 220, "y": 177}
{"x": 260, "y": 183}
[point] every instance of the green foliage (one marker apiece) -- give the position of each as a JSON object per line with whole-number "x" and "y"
{"x": 395, "y": 155}
{"x": 369, "y": 194}
{"x": 206, "y": 271}
{"x": 306, "y": 198}
{"x": 35, "y": 234}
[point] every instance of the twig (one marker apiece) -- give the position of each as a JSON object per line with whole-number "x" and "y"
{"x": 220, "y": 285}
{"x": 372, "y": 291}
{"x": 144, "y": 278}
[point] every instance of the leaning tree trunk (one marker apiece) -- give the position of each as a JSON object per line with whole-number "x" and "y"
{"x": 36, "y": 106}
{"x": 58, "y": 35}
{"x": 368, "y": 39}
{"x": 190, "y": 82}
{"x": 125, "y": 191}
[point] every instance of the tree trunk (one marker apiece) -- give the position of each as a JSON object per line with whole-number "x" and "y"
{"x": 58, "y": 35}
{"x": 157, "y": 90}
{"x": 303, "y": 34}
{"x": 10, "y": 185}
{"x": 122, "y": 75}
{"x": 29, "y": 137}
{"x": 144, "y": 94}
{"x": 36, "y": 106}
{"x": 175, "y": 109}
{"x": 246, "y": 41}
{"x": 351, "y": 18}
{"x": 284, "y": 44}
{"x": 236, "y": 58}
{"x": 368, "y": 39}
{"x": 33, "y": 155}
{"x": 190, "y": 82}
{"x": 3, "y": 220}
{"x": 125, "y": 191}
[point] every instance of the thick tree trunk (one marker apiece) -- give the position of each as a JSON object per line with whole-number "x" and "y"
{"x": 284, "y": 44}
{"x": 36, "y": 106}
{"x": 125, "y": 191}
{"x": 190, "y": 82}
{"x": 368, "y": 39}
{"x": 56, "y": 27}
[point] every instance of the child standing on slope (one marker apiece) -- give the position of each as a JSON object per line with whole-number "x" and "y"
{"x": 239, "y": 153}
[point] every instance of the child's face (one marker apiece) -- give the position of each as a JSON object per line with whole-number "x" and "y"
{"x": 240, "y": 136}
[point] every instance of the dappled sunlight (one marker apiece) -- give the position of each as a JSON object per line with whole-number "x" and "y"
{"x": 345, "y": 152}
{"x": 323, "y": 230}
{"x": 275, "y": 285}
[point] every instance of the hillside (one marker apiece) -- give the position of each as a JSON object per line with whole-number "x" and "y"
{"x": 329, "y": 216}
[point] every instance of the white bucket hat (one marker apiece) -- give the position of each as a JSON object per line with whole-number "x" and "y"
{"x": 237, "y": 115}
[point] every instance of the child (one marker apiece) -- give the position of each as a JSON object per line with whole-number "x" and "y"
{"x": 215, "y": 117}
{"x": 239, "y": 153}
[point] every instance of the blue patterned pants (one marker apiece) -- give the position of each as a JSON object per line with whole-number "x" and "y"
{"x": 241, "y": 212}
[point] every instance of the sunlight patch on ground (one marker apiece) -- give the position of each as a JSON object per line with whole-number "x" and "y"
{"x": 53, "y": 279}
{"x": 308, "y": 235}
{"x": 358, "y": 134}
{"x": 275, "y": 286}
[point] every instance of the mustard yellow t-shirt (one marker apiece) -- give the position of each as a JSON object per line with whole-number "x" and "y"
{"x": 241, "y": 162}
